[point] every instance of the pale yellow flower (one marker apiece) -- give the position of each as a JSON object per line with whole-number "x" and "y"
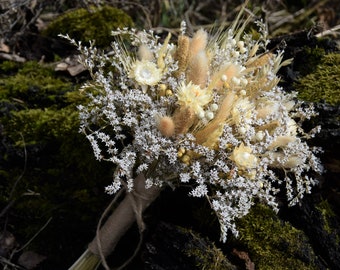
{"x": 192, "y": 96}
{"x": 145, "y": 72}
{"x": 242, "y": 109}
{"x": 244, "y": 158}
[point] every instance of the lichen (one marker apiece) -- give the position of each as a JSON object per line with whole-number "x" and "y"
{"x": 272, "y": 243}
{"x": 94, "y": 24}
{"x": 323, "y": 84}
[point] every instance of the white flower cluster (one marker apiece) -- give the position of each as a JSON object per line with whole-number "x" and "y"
{"x": 206, "y": 111}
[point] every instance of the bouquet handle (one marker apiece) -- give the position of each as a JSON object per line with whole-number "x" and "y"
{"x": 128, "y": 211}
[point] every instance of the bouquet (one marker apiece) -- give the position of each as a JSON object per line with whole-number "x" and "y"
{"x": 204, "y": 110}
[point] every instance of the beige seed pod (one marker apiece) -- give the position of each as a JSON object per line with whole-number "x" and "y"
{"x": 260, "y": 61}
{"x": 166, "y": 126}
{"x": 182, "y": 53}
{"x": 290, "y": 162}
{"x": 162, "y": 52}
{"x": 144, "y": 53}
{"x": 209, "y": 135}
{"x": 198, "y": 43}
{"x": 198, "y": 68}
{"x": 281, "y": 141}
{"x": 184, "y": 117}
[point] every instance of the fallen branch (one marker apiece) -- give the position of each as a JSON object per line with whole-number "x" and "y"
{"x": 12, "y": 57}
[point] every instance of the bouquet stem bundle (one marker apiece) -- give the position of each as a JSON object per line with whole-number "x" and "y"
{"x": 128, "y": 211}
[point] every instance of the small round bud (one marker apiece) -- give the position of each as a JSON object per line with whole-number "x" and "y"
{"x": 182, "y": 150}
{"x": 236, "y": 80}
{"x": 244, "y": 81}
{"x": 201, "y": 115}
{"x": 168, "y": 92}
{"x": 185, "y": 159}
{"x": 214, "y": 107}
{"x": 259, "y": 135}
{"x": 240, "y": 44}
{"x": 209, "y": 115}
{"x": 162, "y": 86}
{"x": 235, "y": 54}
{"x": 224, "y": 78}
{"x": 242, "y": 130}
{"x": 243, "y": 92}
{"x": 243, "y": 50}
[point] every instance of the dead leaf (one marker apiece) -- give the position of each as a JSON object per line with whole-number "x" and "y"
{"x": 4, "y": 47}
{"x": 30, "y": 259}
{"x": 71, "y": 65}
{"x": 244, "y": 256}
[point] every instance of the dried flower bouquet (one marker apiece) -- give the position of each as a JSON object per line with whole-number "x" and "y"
{"x": 205, "y": 111}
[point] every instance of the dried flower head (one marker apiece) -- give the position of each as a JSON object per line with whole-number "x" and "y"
{"x": 192, "y": 96}
{"x": 243, "y": 157}
{"x": 226, "y": 133}
{"x": 145, "y": 73}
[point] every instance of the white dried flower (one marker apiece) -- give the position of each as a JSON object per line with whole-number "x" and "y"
{"x": 145, "y": 72}
{"x": 243, "y": 157}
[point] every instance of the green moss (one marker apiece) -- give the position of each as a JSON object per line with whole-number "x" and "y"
{"x": 8, "y": 67}
{"x": 327, "y": 214}
{"x": 38, "y": 125}
{"x": 323, "y": 83}
{"x": 207, "y": 256}
{"x": 34, "y": 85}
{"x": 85, "y": 25}
{"x": 58, "y": 174}
{"x": 273, "y": 244}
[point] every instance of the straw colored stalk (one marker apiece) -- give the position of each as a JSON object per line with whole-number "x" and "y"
{"x": 128, "y": 211}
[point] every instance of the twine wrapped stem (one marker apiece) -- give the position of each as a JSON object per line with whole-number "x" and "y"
{"x": 128, "y": 211}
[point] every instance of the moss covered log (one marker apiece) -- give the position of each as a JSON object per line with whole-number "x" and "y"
{"x": 274, "y": 244}
{"x": 323, "y": 82}
{"x": 90, "y": 24}
{"x": 47, "y": 169}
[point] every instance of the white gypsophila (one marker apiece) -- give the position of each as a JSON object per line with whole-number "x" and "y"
{"x": 206, "y": 112}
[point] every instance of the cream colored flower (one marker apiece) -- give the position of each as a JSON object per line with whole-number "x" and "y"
{"x": 243, "y": 157}
{"x": 145, "y": 72}
{"x": 292, "y": 127}
{"x": 266, "y": 108}
{"x": 192, "y": 96}
{"x": 242, "y": 110}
